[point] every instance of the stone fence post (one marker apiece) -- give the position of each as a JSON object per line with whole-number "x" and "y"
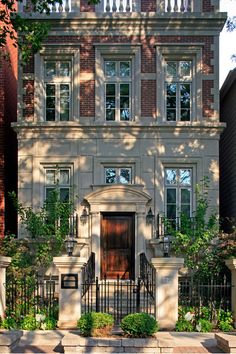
{"x": 4, "y": 263}
{"x": 167, "y": 290}
{"x": 69, "y": 290}
{"x": 231, "y": 264}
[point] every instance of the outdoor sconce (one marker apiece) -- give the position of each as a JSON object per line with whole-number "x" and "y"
{"x": 150, "y": 216}
{"x": 84, "y": 216}
{"x": 70, "y": 244}
{"x": 166, "y": 246}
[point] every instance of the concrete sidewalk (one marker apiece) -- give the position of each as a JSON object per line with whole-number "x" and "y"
{"x": 50, "y": 342}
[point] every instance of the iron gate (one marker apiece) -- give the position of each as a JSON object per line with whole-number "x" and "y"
{"x": 117, "y": 297}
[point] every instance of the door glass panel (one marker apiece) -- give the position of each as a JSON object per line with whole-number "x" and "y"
{"x": 171, "y": 68}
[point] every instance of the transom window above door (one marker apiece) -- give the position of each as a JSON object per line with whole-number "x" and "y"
{"x": 57, "y": 81}
{"x": 178, "y": 89}
{"x": 178, "y": 192}
{"x": 121, "y": 175}
{"x": 117, "y": 90}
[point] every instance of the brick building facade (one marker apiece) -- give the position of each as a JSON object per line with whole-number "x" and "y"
{"x": 121, "y": 107}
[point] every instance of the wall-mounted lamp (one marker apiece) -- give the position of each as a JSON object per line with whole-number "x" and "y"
{"x": 166, "y": 246}
{"x": 84, "y": 216}
{"x": 70, "y": 244}
{"x": 150, "y": 216}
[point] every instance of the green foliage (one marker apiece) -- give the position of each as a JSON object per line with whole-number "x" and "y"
{"x": 204, "y": 325}
{"x": 203, "y": 319}
{"x": 29, "y": 323}
{"x": 197, "y": 240}
{"x": 49, "y": 323}
{"x": 94, "y": 320}
{"x": 184, "y": 326}
{"x": 225, "y": 321}
{"x": 139, "y": 325}
{"x": 47, "y": 227}
{"x": 9, "y": 322}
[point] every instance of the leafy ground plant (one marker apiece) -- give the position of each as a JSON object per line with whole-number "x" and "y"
{"x": 139, "y": 325}
{"x": 95, "y": 324}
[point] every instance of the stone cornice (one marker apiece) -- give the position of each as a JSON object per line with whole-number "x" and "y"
{"x": 74, "y": 129}
{"x": 132, "y": 23}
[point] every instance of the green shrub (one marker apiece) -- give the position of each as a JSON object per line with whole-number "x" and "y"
{"x": 29, "y": 323}
{"x": 183, "y": 325}
{"x": 9, "y": 323}
{"x": 204, "y": 325}
{"x": 225, "y": 321}
{"x": 139, "y": 325}
{"x": 95, "y": 324}
{"x": 225, "y": 326}
{"x": 49, "y": 323}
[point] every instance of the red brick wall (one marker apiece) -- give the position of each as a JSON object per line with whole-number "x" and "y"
{"x": 2, "y": 165}
{"x": 148, "y": 5}
{"x": 207, "y": 6}
{"x": 207, "y": 98}
{"x": 148, "y": 98}
{"x": 85, "y": 7}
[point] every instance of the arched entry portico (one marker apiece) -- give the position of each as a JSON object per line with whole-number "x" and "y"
{"x": 118, "y": 201}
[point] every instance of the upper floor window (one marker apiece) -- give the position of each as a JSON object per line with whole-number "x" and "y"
{"x": 178, "y": 192}
{"x": 58, "y": 178}
{"x": 121, "y": 175}
{"x": 117, "y": 90}
{"x": 57, "y": 80}
{"x": 178, "y": 89}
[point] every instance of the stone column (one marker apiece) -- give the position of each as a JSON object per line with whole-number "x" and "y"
{"x": 4, "y": 263}
{"x": 231, "y": 264}
{"x": 167, "y": 290}
{"x": 69, "y": 290}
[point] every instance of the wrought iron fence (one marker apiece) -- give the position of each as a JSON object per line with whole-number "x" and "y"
{"x": 214, "y": 294}
{"x": 32, "y": 295}
{"x": 118, "y": 297}
{"x": 88, "y": 274}
{"x": 148, "y": 275}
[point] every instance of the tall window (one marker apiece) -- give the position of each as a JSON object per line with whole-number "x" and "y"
{"x": 178, "y": 90}
{"x": 58, "y": 178}
{"x": 57, "y": 78}
{"x": 121, "y": 175}
{"x": 178, "y": 192}
{"x": 117, "y": 90}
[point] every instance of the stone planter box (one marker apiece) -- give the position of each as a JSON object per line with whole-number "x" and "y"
{"x": 9, "y": 340}
{"x": 161, "y": 343}
{"x": 226, "y": 342}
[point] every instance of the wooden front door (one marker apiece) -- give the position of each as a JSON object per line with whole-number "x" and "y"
{"x": 117, "y": 246}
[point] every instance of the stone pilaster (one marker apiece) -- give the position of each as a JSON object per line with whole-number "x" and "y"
{"x": 69, "y": 298}
{"x": 167, "y": 290}
{"x": 4, "y": 263}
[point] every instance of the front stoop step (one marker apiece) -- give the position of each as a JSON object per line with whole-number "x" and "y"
{"x": 161, "y": 343}
{"x": 226, "y": 342}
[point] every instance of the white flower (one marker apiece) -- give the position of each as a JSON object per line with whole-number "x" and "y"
{"x": 199, "y": 327}
{"x": 189, "y": 316}
{"x": 39, "y": 317}
{"x": 43, "y": 326}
